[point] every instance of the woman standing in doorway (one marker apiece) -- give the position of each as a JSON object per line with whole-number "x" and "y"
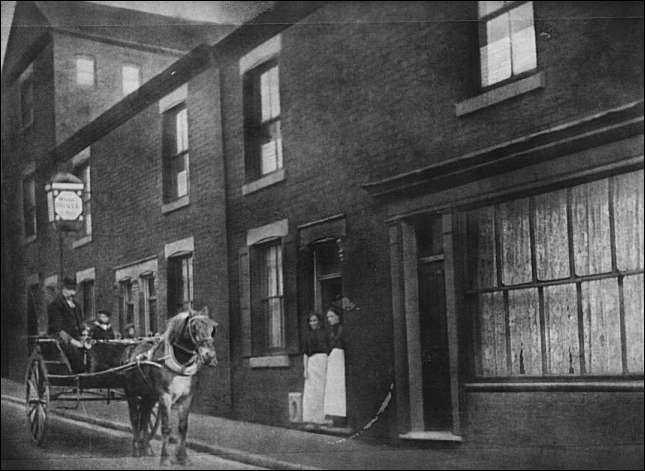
{"x": 335, "y": 395}
{"x": 315, "y": 371}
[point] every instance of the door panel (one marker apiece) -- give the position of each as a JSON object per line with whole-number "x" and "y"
{"x": 434, "y": 347}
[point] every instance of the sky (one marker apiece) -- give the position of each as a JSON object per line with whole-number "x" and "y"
{"x": 217, "y": 12}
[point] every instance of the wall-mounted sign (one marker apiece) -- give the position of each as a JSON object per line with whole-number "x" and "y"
{"x": 68, "y": 206}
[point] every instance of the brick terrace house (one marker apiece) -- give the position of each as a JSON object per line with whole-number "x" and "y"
{"x": 460, "y": 177}
{"x": 66, "y": 63}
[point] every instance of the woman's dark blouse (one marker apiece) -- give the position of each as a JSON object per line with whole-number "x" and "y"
{"x": 336, "y": 339}
{"x": 316, "y": 342}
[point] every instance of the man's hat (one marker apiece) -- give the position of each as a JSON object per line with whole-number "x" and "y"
{"x": 69, "y": 283}
{"x": 103, "y": 311}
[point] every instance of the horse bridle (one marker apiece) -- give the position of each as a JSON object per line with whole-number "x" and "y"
{"x": 196, "y": 343}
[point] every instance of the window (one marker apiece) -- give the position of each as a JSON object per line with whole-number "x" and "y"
{"x": 149, "y": 303}
{"x": 87, "y": 298}
{"x": 83, "y": 172}
{"x": 26, "y": 91}
{"x": 175, "y": 153}
{"x": 131, "y": 78}
{"x": 180, "y": 284}
{"x": 126, "y": 308}
{"x": 267, "y": 297}
{"x": 263, "y": 138}
{"x": 557, "y": 282}
{"x": 29, "y": 206}
{"x": 85, "y": 71}
{"x": 507, "y": 40}
{"x": 328, "y": 282}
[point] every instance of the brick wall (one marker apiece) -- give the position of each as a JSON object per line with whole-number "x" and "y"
{"x": 78, "y": 105}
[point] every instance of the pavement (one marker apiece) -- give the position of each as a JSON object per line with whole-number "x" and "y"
{"x": 283, "y": 448}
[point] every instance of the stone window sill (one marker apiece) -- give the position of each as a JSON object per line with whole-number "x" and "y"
{"x": 174, "y": 205}
{"x": 275, "y": 361}
{"x": 499, "y": 94}
{"x": 263, "y": 182}
{"x": 82, "y": 241}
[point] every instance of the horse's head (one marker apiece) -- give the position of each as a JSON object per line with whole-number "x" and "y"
{"x": 201, "y": 330}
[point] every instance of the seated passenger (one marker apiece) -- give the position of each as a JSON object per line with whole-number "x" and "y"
{"x": 101, "y": 329}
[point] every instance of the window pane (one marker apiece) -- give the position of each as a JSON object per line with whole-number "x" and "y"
{"x": 561, "y": 330}
{"x": 327, "y": 259}
{"x": 628, "y": 210}
{"x": 524, "y": 326}
{"x": 84, "y": 71}
{"x": 523, "y": 38}
{"x": 591, "y": 241}
{"x": 130, "y": 76}
{"x": 269, "y": 157}
{"x": 496, "y": 53}
{"x": 275, "y": 322}
{"x": 633, "y": 295}
{"x": 269, "y": 94}
{"x": 601, "y": 326}
{"x": 492, "y": 328}
{"x": 182, "y": 130}
{"x": 482, "y": 227}
{"x": 516, "y": 242}
{"x": 551, "y": 236}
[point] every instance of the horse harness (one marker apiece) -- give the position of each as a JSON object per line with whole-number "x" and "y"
{"x": 168, "y": 359}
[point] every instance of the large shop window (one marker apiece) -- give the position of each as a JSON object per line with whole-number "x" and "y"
{"x": 267, "y": 297}
{"x": 557, "y": 282}
{"x": 263, "y": 148}
{"x": 175, "y": 153}
{"x": 507, "y": 40}
{"x": 180, "y": 283}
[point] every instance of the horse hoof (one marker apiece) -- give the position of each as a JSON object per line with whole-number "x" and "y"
{"x": 172, "y": 440}
{"x": 164, "y": 461}
{"x": 148, "y": 451}
{"x": 136, "y": 453}
{"x": 182, "y": 460}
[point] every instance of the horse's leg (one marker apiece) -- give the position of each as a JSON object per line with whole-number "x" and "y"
{"x": 165, "y": 403}
{"x": 133, "y": 408}
{"x": 183, "y": 409}
{"x": 144, "y": 418}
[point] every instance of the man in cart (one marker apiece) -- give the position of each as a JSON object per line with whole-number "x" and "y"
{"x": 66, "y": 324}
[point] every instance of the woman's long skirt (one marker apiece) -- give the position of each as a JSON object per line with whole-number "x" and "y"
{"x": 335, "y": 400}
{"x": 314, "y": 392}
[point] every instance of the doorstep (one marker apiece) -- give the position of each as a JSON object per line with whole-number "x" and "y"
{"x": 432, "y": 436}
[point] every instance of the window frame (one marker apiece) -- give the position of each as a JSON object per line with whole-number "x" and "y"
{"x": 537, "y": 283}
{"x": 83, "y": 170}
{"x": 29, "y": 212}
{"x": 181, "y": 282}
{"x": 86, "y": 301}
{"x": 26, "y": 79}
{"x": 262, "y": 340}
{"x": 170, "y": 179}
{"x": 150, "y": 315}
{"x": 256, "y": 129}
{"x": 482, "y": 42}
{"x": 77, "y": 70}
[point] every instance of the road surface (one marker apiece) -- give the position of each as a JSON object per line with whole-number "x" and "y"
{"x": 70, "y": 444}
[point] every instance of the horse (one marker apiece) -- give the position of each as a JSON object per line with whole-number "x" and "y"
{"x": 166, "y": 373}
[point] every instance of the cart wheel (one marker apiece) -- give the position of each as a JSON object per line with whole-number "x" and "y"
{"x": 37, "y": 397}
{"x": 153, "y": 422}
